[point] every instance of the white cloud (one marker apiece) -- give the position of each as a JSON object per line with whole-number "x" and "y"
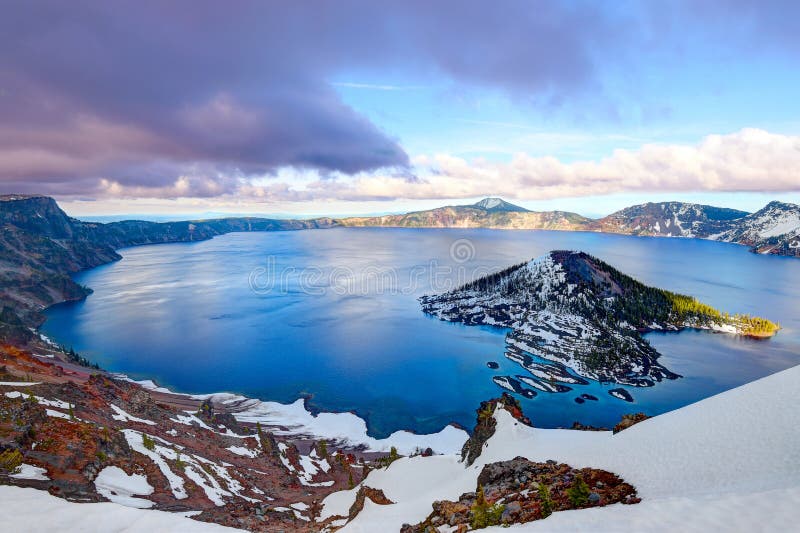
{"x": 750, "y": 160}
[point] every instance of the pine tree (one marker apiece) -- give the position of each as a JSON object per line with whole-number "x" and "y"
{"x": 579, "y": 492}
{"x": 547, "y": 502}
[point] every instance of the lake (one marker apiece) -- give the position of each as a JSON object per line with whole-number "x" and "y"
{"x": 333, "y": 315}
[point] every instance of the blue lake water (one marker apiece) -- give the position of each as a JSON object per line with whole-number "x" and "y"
{"x": 333, "y": 314}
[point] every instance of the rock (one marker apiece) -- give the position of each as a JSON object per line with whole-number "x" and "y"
{"x": 485, "y": 425}
{"x": 629, "y": 420}
{"x": 364, "y": 492}
{"x": 502, "y": 483}
{"x": 493, "y": 365}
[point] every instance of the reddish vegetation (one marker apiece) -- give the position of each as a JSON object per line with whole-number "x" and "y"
{"x": 81, "y": 436}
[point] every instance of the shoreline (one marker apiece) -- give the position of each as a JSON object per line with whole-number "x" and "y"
{"x": 344, "y": 429}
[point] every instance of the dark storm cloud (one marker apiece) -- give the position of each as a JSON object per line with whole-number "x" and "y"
{"x": 141, "y": 93}
{"x": 190, "y": 98}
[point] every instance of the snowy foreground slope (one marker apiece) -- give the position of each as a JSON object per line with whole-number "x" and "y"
{"x": 730, "y": 462}
{"x": 31, "y": 510}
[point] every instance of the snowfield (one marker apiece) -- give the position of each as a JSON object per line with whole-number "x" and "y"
{"x": 119, "y": 487}
{"x": 34, "y": 511}
{"x": 730, "y": 462}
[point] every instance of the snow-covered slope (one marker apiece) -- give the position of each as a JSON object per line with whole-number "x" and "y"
{"x": 730, "y": 462}
{"x": 31, "y": 510}
{"x": 773, "y": 229}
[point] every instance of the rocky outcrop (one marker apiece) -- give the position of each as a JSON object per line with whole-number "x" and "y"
{"x": 364, "y": 493}
{"x": 485, "y": 425}
{"x": 520, "y": 491}
{"x": 629, "y": 420}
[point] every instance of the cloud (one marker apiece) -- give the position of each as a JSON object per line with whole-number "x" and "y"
{"x": 164, "y": 99}
{"x": 138, "y": 93}
{"x": 749, "y": 160}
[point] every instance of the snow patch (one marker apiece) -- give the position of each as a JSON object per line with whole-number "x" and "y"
{"x": 119, "y": 487}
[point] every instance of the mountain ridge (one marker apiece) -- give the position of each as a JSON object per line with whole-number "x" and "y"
{"x": 657, "y": 219}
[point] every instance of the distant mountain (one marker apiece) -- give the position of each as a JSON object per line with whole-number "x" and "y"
{"x": 494, "y": 205}
{"x": 583, "y": 317}
{"x": 673, "y": 219}
{"x": 488, "y": 213}
{"x": 774, "y": 229}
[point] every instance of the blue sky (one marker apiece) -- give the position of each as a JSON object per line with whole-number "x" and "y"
{"x": 352, "y": 107}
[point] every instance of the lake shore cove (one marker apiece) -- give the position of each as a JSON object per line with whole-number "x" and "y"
{"x": 573, "y": 317}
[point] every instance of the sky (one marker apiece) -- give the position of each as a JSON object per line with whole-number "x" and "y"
{"x": 354, "y": 106}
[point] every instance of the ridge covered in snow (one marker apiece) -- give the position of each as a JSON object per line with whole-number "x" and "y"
{"x": 730, "y": 462}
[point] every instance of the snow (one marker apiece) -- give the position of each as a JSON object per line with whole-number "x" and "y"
{"x": 758, "y": 511}
{"x": 346, "y": 429}
{"x": 42, "y": 401}
{"x": 145, "y": 384}
{"x": 157, "y": 455}
{"x": 343, "y": 429}
{"x": 189, "y": 420}
{"x": 32, "y": 472}
{"x": 19, "y": 383}
{"x": 702, "y": 466}
{"x": 32, "y": 511}
{"x": 125, "y": 417}
{"x": 241, "y": 450}
{"x": 786, "y": 223}
{"x": 58, "y": 414}
{"x": 119, "y": 487}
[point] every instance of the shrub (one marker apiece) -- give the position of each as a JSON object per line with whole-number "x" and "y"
{"x": 10, "y": 461}
{"x": 547, "y": 502}
{"x": 484, "y": 515}
{"x": 579, "y": 492}
{"x": 148, "y": 442}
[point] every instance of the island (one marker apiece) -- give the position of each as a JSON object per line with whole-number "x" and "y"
{"x": 574, "y": 318}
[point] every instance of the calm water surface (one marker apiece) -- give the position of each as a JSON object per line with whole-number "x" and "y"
{"x": 333, "y": 314}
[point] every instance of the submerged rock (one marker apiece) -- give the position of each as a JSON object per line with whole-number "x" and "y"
{"x": 493, "y": 365}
